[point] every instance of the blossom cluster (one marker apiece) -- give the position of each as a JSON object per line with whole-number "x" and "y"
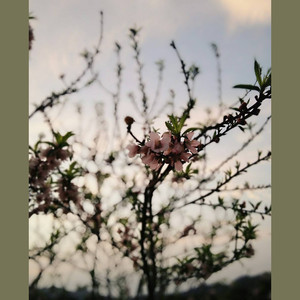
{"x": 165, "y": 149}
{"x": 41, "y": 166}
{"x": 67, "y": 191}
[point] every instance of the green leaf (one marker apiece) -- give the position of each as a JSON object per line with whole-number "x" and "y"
{"x": 220, "y": 200}
{"x": 66, "y": 136}
{"x": 123, "y": 221}
{"x": 267, "y": 82}
{"x": 61, "y": 140}
{"x": 257, "y": 205}
{"x": 49, "y": 143}
{"x": 58, "y": 137}
{"x": 169, "y": 126}
{"x": 181, "y": 122}
{"x": 247, "y": 87}
{"x": 175, "y": 124}
{"x": 187, "y": 170}
{"x": 172, "y": 119}
{"x": 190, "y": 129}
{"x": 257, "y": 70}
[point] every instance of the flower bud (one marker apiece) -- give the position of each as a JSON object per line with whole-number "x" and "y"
{"x": 129, "y": 120}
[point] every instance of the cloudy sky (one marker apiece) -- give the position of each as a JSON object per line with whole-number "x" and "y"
{"x": 240, "y": 28}
{"x": 63, "y": 29}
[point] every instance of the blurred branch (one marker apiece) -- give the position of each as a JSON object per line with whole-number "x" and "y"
{"x": 72, "y": 88}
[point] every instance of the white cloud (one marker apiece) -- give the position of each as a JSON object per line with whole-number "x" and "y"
{"x": 247, "y": 12}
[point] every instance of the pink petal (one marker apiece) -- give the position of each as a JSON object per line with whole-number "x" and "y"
{"x": 190, "y": 135}
{"x": 165, "y": 141}
{"x": 178, "y": 166}
{"x": 169, "y": 150}
{"x": 194, "y": 143}
{"x": 147, "y": 159}
{"x": 178, "y": 148}
{"x": 185, "y": 156}
{"x": 166, "y": 137}
{"x": 192, "y": 149}
{"x": 133, "y": 150}
{"x": 154, "y": 165}
{"x": 154, "y": 142}
{"x": 144, "y": 150}
{"x": 154, "y": 136}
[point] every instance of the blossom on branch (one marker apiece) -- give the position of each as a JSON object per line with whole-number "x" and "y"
{"x": 167, "y": 149}
{"x": 191, "y": 144}
{"x": 133, "y": 150}
{"x": 159, "y": 145}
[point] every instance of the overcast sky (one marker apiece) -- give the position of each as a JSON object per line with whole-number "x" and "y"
{"x": 240, "y": 28}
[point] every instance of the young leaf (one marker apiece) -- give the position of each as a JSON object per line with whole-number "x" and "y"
{"x": 247, "y": 87}
{"x": 257, "y": 70}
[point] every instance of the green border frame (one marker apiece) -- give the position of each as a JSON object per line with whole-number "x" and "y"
{"x": 14, "y": 150}
{"x": 14, "y": 142}
{"x": 285, "y": 164}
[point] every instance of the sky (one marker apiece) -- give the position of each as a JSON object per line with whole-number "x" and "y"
{"x": 241, "y": 29}
{"x": 63, "y": 29}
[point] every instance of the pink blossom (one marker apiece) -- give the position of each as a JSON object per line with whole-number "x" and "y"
{"x": 185, "y": 156}
{"x": 145, "y": 150}
{"x": 152, "y": 161}
{"x": 133, "y": 150}
{"x": 177, "y": 160}
{"x": 174, "y": 148}
{"x": 45, "y": 152}
{"x": 155, "y": 165}
{"x": 149, "y": 158}
{"x": 43, "y": 172}
{"x": 177, "y": 154}
{"x": 146, "y": 159}
{"x": 62, "y": 154}
{"x": 53, "y": 163}
{"x": 33, "y": 163}
{"x": 191, "y": 144}
{"x": 178, "y": 148}
{"x": 159, "y": 145}
{"x": 67, "y": 191}
{"x": 178, "y": 166}
{"x": 165, "y": 149}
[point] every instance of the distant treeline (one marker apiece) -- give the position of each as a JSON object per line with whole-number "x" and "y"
{"x": 244, "y": 288}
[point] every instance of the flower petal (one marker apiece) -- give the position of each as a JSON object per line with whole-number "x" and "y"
{"x": 185, "y": 156}
{"x": 154, "y": 164}
{"x": 178, "y": 166}
{"x": 192, "y": 149}
{"x": 154, "y": 141}
{"x": 178, "y": 148}
{"x": 195, "y": 143}
{"x": 147, "y": 159}
{"x": 133, "y": 150}
{"x": 165, "y": 141}
{"x": 190, "y": 135}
